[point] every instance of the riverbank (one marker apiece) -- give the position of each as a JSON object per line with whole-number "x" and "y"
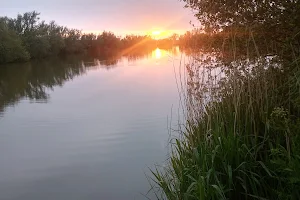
{"x": 241, "y": 138}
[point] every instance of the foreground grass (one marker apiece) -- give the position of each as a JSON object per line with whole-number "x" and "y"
{"x": 245, "y": 142}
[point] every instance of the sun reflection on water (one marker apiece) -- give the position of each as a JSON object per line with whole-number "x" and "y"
{"x": 158, "y": 53}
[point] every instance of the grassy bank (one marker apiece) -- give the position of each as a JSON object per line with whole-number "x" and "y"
{"x": 242, "y": 135}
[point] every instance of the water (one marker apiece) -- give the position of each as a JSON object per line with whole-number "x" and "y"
{"x": 83, "y": 128}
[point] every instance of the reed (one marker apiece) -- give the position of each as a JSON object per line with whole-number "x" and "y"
{"x": 241, "y": 136}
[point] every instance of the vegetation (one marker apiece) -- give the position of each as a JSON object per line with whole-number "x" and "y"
{"x": 27, "y": 37}
{"x": 241, "y": 136}
{"x": 11, "y": 47}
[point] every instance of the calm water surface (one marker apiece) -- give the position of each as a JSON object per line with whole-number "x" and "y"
{"x": 84, "y": 128}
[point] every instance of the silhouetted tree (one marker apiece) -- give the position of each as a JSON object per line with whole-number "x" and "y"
{"x": 26, "y": 36}
{"x": 11, "y": 46}
{"x": 275, "y": 19}
{"x": 55, "y": 36}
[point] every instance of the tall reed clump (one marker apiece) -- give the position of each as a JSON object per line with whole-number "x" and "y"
{"x": 242, "y": 135}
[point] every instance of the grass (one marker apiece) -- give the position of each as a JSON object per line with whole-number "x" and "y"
{"x": 241, "y": 139}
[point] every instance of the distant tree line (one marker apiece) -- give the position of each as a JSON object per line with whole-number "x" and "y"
{"x": 26, "y": 37}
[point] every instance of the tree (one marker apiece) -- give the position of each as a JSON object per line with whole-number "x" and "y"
{"x": 33, "y": 33}
{"x": 11, "y": 46}
{"x": 55, "y": 36}
{"x": 24, "y": 24}
{"x": 108, "y": 40}
{"x": 72, "y": 41}
{"x": 269, "y": 22}
{"x": 217, "y": 14}
{"x": 26, "y": 36}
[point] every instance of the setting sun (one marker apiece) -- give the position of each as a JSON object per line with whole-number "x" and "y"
{"x": 156, "y": 33}
{"x": 160, "y": 34}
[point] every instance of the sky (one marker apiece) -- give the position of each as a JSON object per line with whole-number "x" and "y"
{"x": 120, "y": 16}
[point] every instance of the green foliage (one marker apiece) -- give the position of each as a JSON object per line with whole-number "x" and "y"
{"x": 242, "y": 143}
{"x": 219, "y": 14}
{"x": 72, "y": 41}
{"x": 55, "y": 37}
{"x": 241, "y": 139}
{"x": 274, "y": 24}
{"x": 11, "y": 46}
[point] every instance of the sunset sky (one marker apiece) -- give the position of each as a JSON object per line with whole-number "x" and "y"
{"x": 119, "y": 16}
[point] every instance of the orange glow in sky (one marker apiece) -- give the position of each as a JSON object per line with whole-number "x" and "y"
{"x": 156, "y": 18}
{"x": 157, "y": 34}
{"x": 161, "y": 34}
{"x": 154, "y": 33}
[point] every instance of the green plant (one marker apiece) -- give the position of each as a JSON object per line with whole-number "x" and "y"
{"x": 241, "y": 139}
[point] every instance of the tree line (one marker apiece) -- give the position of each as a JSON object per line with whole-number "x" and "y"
{"x": 26, "y": 37}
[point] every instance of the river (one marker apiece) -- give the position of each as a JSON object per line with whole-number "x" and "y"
{"x": 82, "y": 128}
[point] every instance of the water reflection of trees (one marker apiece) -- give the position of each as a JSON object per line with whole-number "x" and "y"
{"x": 33, "y": 80}
{"x": 137, "y": 55}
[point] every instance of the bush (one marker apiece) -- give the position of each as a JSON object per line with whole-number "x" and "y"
{"x": 11, "y": 47}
